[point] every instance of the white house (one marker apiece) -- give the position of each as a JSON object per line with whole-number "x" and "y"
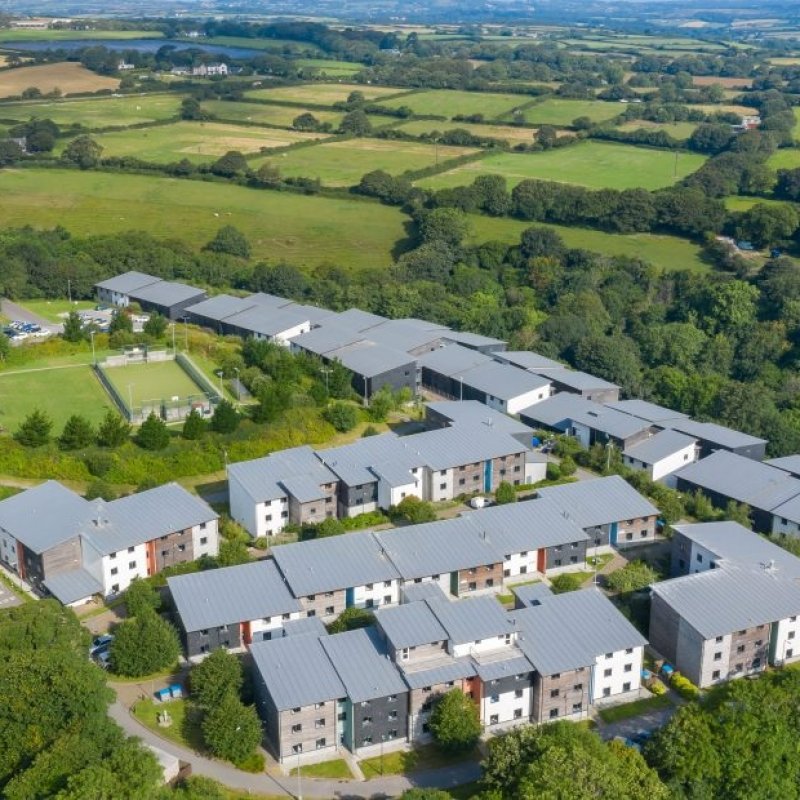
{"x": 662, "y": 454}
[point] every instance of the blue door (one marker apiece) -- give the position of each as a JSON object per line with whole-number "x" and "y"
{"x": 612, "y": 535}
{"x": 487, "y": 476}
{"x": 350, "y": 597}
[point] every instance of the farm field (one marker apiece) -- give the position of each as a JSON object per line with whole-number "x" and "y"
{"x": 138, "y": 383}
{"x": 306, "y": 231}
{"x": 513, "y": 134}
{"x": 338, "y": 69}
{"x": 785, "y": 158}
{"x": 739, "y": 203}
{"x": 267, "y": 114}
{"x": 724, "y": 108}
{"x": 258, "y": 44}
{"x": 596, "y": 165}
{"x": 342, "y": 163}
{"x": 23, "y": 35}
{"x": 321, "y": 94}
{"x": 664, "y": 252}
{"x": 796, "y": 130}
{"x": 450, "y": 103}
{"x": 678, "y": 130}
{"x": 57, "y": 310}
{"x": 196, "y": 141}
{"x": 727, "y": 83}
{"x": 555, "y": 111}
{"x": 47, "y": 389}
{"x": 98, "y": 113}
{"x": 67, "y": 76}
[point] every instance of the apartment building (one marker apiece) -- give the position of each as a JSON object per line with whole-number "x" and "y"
{"x": 74, "y": 549}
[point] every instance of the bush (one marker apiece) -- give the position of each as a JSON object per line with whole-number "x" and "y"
{"x": 153, "y": 435}
{"x": 35, "y": 429}
{"x": 352, "y": 619}
{"x": 413, "y": 510}
{"x": 684, "y": 687}
{"x": 101, "y": 489}
{"x": 505, "y": 493}
{"x": 214, "y": 677}
{"x": 632, "y": 577}
{"x": 455, "y": 723}
{"x": 141, "y": 597}
{"x": 567, "y": 466}
{"x": 567, "y": 582}
{"x": 657, "y": 688}
{"x": 343, "y": 416}
{"x": 553, "y": 471}
{"x": 232, "y": 730}
{"x": 144, "y": 645}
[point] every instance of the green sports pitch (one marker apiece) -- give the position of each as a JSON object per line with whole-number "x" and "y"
{"x": 158, "y": 381}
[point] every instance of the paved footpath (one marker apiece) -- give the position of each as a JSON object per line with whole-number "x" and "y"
{"x": 388, "y": 786}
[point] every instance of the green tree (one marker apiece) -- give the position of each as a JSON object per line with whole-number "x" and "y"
{"x": 143, "y": 645}
{"x": 305, "y": 122}
{"x": 343, "y": 416}
{"x": 100, "y": 488}
{"x": 10, "y": 153}
{"x": 446, "y": 225}
{"x": 232, "y": 730}
{"x": 73, "y": 328}
{"x": 121, "y": 322}
{"x": 330, "y": 526}
{"x": 425, "y": 794}
{"x": 141, "y": 598}
{"x": 230, "y": 240}
{"x": 505, "y": 493}
{"x": 113, "y": 430}
{"x": 83, "y": 151}
{"x": 767, "y": 225}
{"x": 414, "y": 510}
{"x": 355, "y": 123}
{"x": 232, "y": 553}
{"x": 380, "y": 404}
{"x": 225, "y": 418}
{"x": 352, "y": 619}
{"x": 455, "y": 722}
{"x": 230, "y": 165}
{"x": 35, "y": 429}
{"x": 153, "y": 433}
{"x": 632, "y": 577}
{"x": 214, "y": 677}
{"x": 77, "y": 433}
{"x": 194, "y": 426}
{"x": 191, "y": 109}
{"x": 156, "y": 325}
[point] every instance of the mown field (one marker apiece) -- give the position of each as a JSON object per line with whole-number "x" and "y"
{"x": 665, "y": 252}
{"x": 23, "y": 35}
{"x": 197, "y": 141}
{"x": 266, "y": 114}
{"x": 274, "y": 45}
{"x": 337, "y": 69}
{"x": 677, "y": 130}
{"x": 450, "y": 103}
{"x": 513, "y": 134}
{"x": 797, "y": 123}
{"x": 68, "y": 77}
{"x": 596, "y": 165}
{"x": 555, "y": 111}
{"x": 322, "y": 94}
{"x": 342, "y": 163}
{"x": 139, "y": 383}
{"x": 57, "y": 392}
{"x": 785, "y": 158}
{"x": 98, "y": 112}
{"x": 306, "y": 231}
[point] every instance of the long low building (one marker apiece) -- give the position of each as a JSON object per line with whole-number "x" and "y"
{"x": 74, "y": 549}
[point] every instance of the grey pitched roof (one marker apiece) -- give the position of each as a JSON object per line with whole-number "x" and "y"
{"x": 302, "y": 488}
{"x": 297, "y": 671}
{"x": 650, "y": 412}
{"x": 789, "y": 464}
{"x": 471, "y": 619}
{"x": 362, "y": 665}
{"x": 471, "y": 412}
{"x": 269, "y": 321}
{"x": 355, "y": 463}
{"x": 426, "y": 590}
{"x": 410, "y": 625}
{"x": 557, "y": 411}
{"x": 659, "y": 446}
{"x": 369, "y": 358}
{"x": 495, "y": 669}
{"x": 716, "y": 434}
{"x": 335, "y": 562}
{"x": 576, "y": 380}
{"x": 720, "y": 601}
{"x": 611, "y": 422}
{"x": 470, "y": 339}
{"x": 733, "y": 543}
{"x": 330, "y": 335}
{"x": 568, "y": 631}
{"x": 531, "y": 594}
{"x": 69, "y": 587}
{"x": 229, "y": 595}
{"x": 127, "y": 282}
{"x": 44, "y": 516}
{"x": 503, "y": 380}
{"x": 789, "y": 510}
{"x": 261, "y": 478}
{"x": 527, "y": 359}
{"x": 358, "y": 319}
{"x": 166, "y": 293}
{"x": 434, "y": 672}
{"x": 304, "y": 626}
{"x": 408, "y": 334}
{"x": 219, "y": 307}
{"x": 144, "y": 516}
{"x": 742, "y": 479}
{"x": 461, "y": 444}
{"x": 452, "y": 360}
{"x": 599, "y": 501}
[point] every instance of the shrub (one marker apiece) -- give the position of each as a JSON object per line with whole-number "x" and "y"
{"x": 567, "y": 466}
{"x": 505, "y": 493}
{"x": 553, "y": 471}
{"x": 413, "y": 510}
{"x": 153, "y": 435}
{"x": 214, "y": 677}
{"x": 454, "y": 723}
{"x": 144, "y": 645}
{"x": 343, "y": 416}
{"x": 657, "y": 688}
{"x": 141, "y": 597}
{"x": 35, "y": 429}
{"x": 567, "y": 582}
{"x": 684, "y": 687}
{"x": 632, "y": 577}
{"x": 232, "y": 730}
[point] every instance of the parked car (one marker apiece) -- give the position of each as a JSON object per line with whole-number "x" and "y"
{"x": 101, "y": 644}
{"x": 103, "y": 659}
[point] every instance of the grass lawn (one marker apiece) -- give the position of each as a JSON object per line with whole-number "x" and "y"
{"x": 509, "y": 133}
{"x": 56, "y": 310}
{"x": 785, "y": 158}
{"x": 197, "y": 141}
{"x": 21, "y": 35}
{"x": 98, "y": 113}
{"x": 738, "y": 203}
{"x": 257, "y": 44}
{"x": 711, "y": 108}
{"x": 303, "y": 230}
{"x": 58, "y": 392}
{"x": 507, "y": 599}
{"x": 415, "y": 760}
{"x": 185, "y": 728}
{"x": 634, "y": 709}
{"x": 266, "y": 114}
{"x": 336, "y": 769}
{"x": 796, "y": 129}
{"x": 664, "y": 252}
{"x": 322, "y": 94}
{"x": 336, "y": 69}
{"x": 450, "y": 102}
{"x": 558, "y": 111}
{"x": 158, "y": 381}
{"x": 68, "y": 77}
{"x": 344, "y": 162}
{"x": 677, "y": 130}
{"x": 602, "y": 560}
{"x": 596, "y": 165}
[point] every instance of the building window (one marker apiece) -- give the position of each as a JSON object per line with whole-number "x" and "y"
{"x": 320, "y": 743}
{"x": 607, "y": 691}
{"x": 577, "y": 708}
{"x": 131, "y": 549}
{"x": 557, "y": 562}
{"x": 517, "y": 693}
{"x": 626, "y": 687}
{"x": 204, "y": 540}
{"x": 717, "y": 656}
{"x": 740, "y": 648}
{"x": 607, "y": 673}
{"x": 719, "y": 639}
{"x": 297, "y": 727}
{"x": 790, "y": 635}
{"x": 392, "y": 715}
{"x": 131, "y": 565}
{"x": 517, "y": 713}
{"x": 164, "y": 553}
{"x": 494, "y": 719}
{"x": 297, "y": 748}
{"x": 555, "y": 692}
{"x": 553, "y": 713}
{"x": 319, "y": 723}
{"x": 495, "y": 698}
{"x": 442, "y": 486}
{"x": 114, "y": 570}
{"x": 366, "y": 721}
{"x": 311, "y": 613}
{"x": 366, "y": 741}
{"x": 715, "y": 675}
{"x": 628, "y": 668}
{"x": 578, "y": 687}
{"x": 115, "y": 588}
{"x": 699, "y": 558}
{"x": 609, "y": 655}
{"x": 329, "y": 610}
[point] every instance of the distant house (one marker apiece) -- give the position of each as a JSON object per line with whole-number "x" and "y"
{"x": 661, "y": 454}
{"x": 179, "y": 71}
{"x": 210, "y": 70}
{"x": 124, "y": 66}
